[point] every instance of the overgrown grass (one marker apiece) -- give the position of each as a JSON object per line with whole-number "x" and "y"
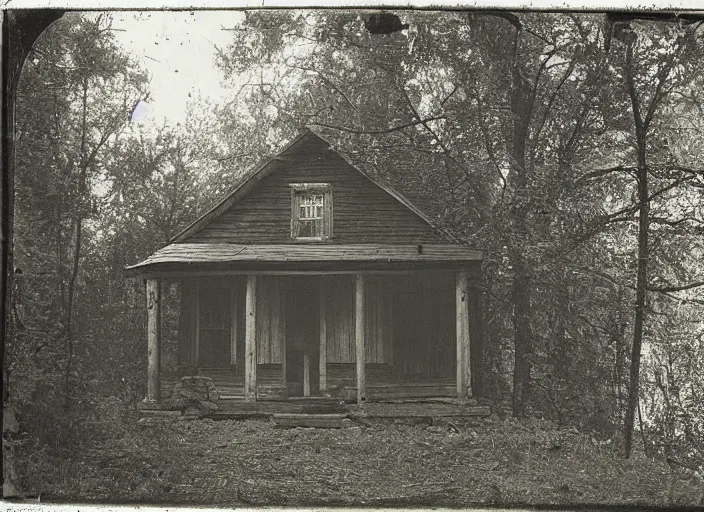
{"x": 491, "y": 461}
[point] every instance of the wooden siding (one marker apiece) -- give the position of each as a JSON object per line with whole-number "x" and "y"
{"x": 186, "y": 326}
{"x": 378, "y": 321}
{"x": 271, "y": 320}
{"x": 424, "y": 317}
{"x": 476, "y": 337}
{"x": 363, "y": 213}
{"x": 340, "y": 320}
{"x": 198, "y": 295}
{"x": 409, "y": 323}
{"x": 214, "y": 325}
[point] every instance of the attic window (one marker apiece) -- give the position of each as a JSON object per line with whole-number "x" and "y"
{"x": 311, "y": 211}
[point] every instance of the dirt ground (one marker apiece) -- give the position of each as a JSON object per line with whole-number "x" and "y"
{"x": 479, "y": 462}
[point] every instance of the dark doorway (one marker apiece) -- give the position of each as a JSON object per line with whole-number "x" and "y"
{"x": 214, "y": 342}
{"x": 302, "y": 335}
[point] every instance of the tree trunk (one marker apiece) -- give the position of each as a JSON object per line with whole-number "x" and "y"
{"x": 642, "y": 432}
{"x": 522, "y": 282}
{"x": 78, "y": 225}
{"x": 642, "y": 272}
{"x": 641, "y": 283}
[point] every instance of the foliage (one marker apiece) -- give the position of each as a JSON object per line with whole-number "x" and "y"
{"x": 93, "y": 193}
{"x": 563, "y": 145}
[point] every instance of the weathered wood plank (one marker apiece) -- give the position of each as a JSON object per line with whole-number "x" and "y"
{"x": 312, "y": 420}
{"x": 306, "y": 374}
{"x": 323, "y": 357}
{"x": 186, "y": 327}
{"x": 233, "y": 326}
{"x": 250, "y": 362}
{"x": 359, "y": 334}
{"x": 284, "y": 344}
{"x": 271, "y": 326}
{"x": 400, "y": 391}
{"x": 422, "y": 410}
{"x": 340, "y": 322}
{"x": 462, "y": 333}
{"x": 475, "y": 336}
{"x": 196, "y": 327}
{"x": 264, "y": 214}
{"x": 270, "y": 391}
{"x": 296, "y": 252}
{"x": 153, "y": 289}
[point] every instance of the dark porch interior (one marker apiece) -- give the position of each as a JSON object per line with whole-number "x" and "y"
{"x": 410, "y": 346}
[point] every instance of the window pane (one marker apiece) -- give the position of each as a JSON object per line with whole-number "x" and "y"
{"x": 307, "y": 229}
{"x": 310, "y": 214}
{"x": 311, "y": 206}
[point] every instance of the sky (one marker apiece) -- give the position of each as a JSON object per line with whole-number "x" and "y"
{"x": 177, "y": 49}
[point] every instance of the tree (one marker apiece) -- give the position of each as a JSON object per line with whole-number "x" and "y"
{"x": 87, "y": 88}
{"x": 654, "y": 64}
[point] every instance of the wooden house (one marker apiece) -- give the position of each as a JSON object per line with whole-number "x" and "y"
{"x": 313, "y": 279}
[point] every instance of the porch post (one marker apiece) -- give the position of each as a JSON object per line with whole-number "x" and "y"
{"x": 464, "y": 382}
{"x": 250, "y": 342}
{"x": 323, "y": 357}
{"x": 233, "y": 326}
{"x": 359, "y": 334}
{"x": 153, "y": 287}
{"x": 306, "y": 374}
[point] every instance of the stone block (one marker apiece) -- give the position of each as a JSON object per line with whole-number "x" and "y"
{"x": 195, "y": 395}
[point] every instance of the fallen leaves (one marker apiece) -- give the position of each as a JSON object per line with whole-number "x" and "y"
{"x": 391, "y": 463}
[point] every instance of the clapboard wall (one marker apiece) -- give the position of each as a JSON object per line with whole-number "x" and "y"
{"x": 341, "y": 325}
{"x": 362, "y": 211}
{"x": 270, "y": 320}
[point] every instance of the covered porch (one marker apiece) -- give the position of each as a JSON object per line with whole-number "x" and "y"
{"x": 353, "y": 331}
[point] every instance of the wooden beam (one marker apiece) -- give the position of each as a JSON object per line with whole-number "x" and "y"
{"x": 306, "y": 374}
{"x": 233, "y": 325}
{"x": 281, "y": 294}
{"x": 179, "y": 274}
{"x": 323, "y": 355}
{"x": 462, "y": 332}
{"x": 153, "y": 287}
{"x": 359, "y": 334}
{"x": 250, "y": 341}
{"x": 312, "y": 420}
{"x": 196, "y": 324}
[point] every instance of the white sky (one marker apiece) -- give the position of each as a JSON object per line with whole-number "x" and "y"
{"x": 176, "y": 49}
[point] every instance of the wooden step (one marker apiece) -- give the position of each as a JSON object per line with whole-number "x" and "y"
{"x": 419, "y": 410}
{"x": 312, "y": 420}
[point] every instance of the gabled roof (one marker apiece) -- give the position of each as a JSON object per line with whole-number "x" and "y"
{"x": 271, "y": 165}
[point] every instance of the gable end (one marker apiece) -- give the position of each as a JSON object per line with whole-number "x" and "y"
{"x": 259, "y": 210}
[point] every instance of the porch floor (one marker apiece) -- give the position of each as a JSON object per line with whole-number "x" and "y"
{"x": 418, "y": 409}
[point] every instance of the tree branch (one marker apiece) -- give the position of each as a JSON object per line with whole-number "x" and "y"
{"x": 379, "y": 132}
{"x": 668, "y": 222}
{"x": 233, "y": 157}
{"x": 327, "y": 81}
{"x": 550, "y": 102}
{"x": 672, "y": 288}
{"x": 598, "y": 173}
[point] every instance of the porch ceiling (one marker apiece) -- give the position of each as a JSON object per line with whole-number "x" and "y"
{"x": 196, "y": 255}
